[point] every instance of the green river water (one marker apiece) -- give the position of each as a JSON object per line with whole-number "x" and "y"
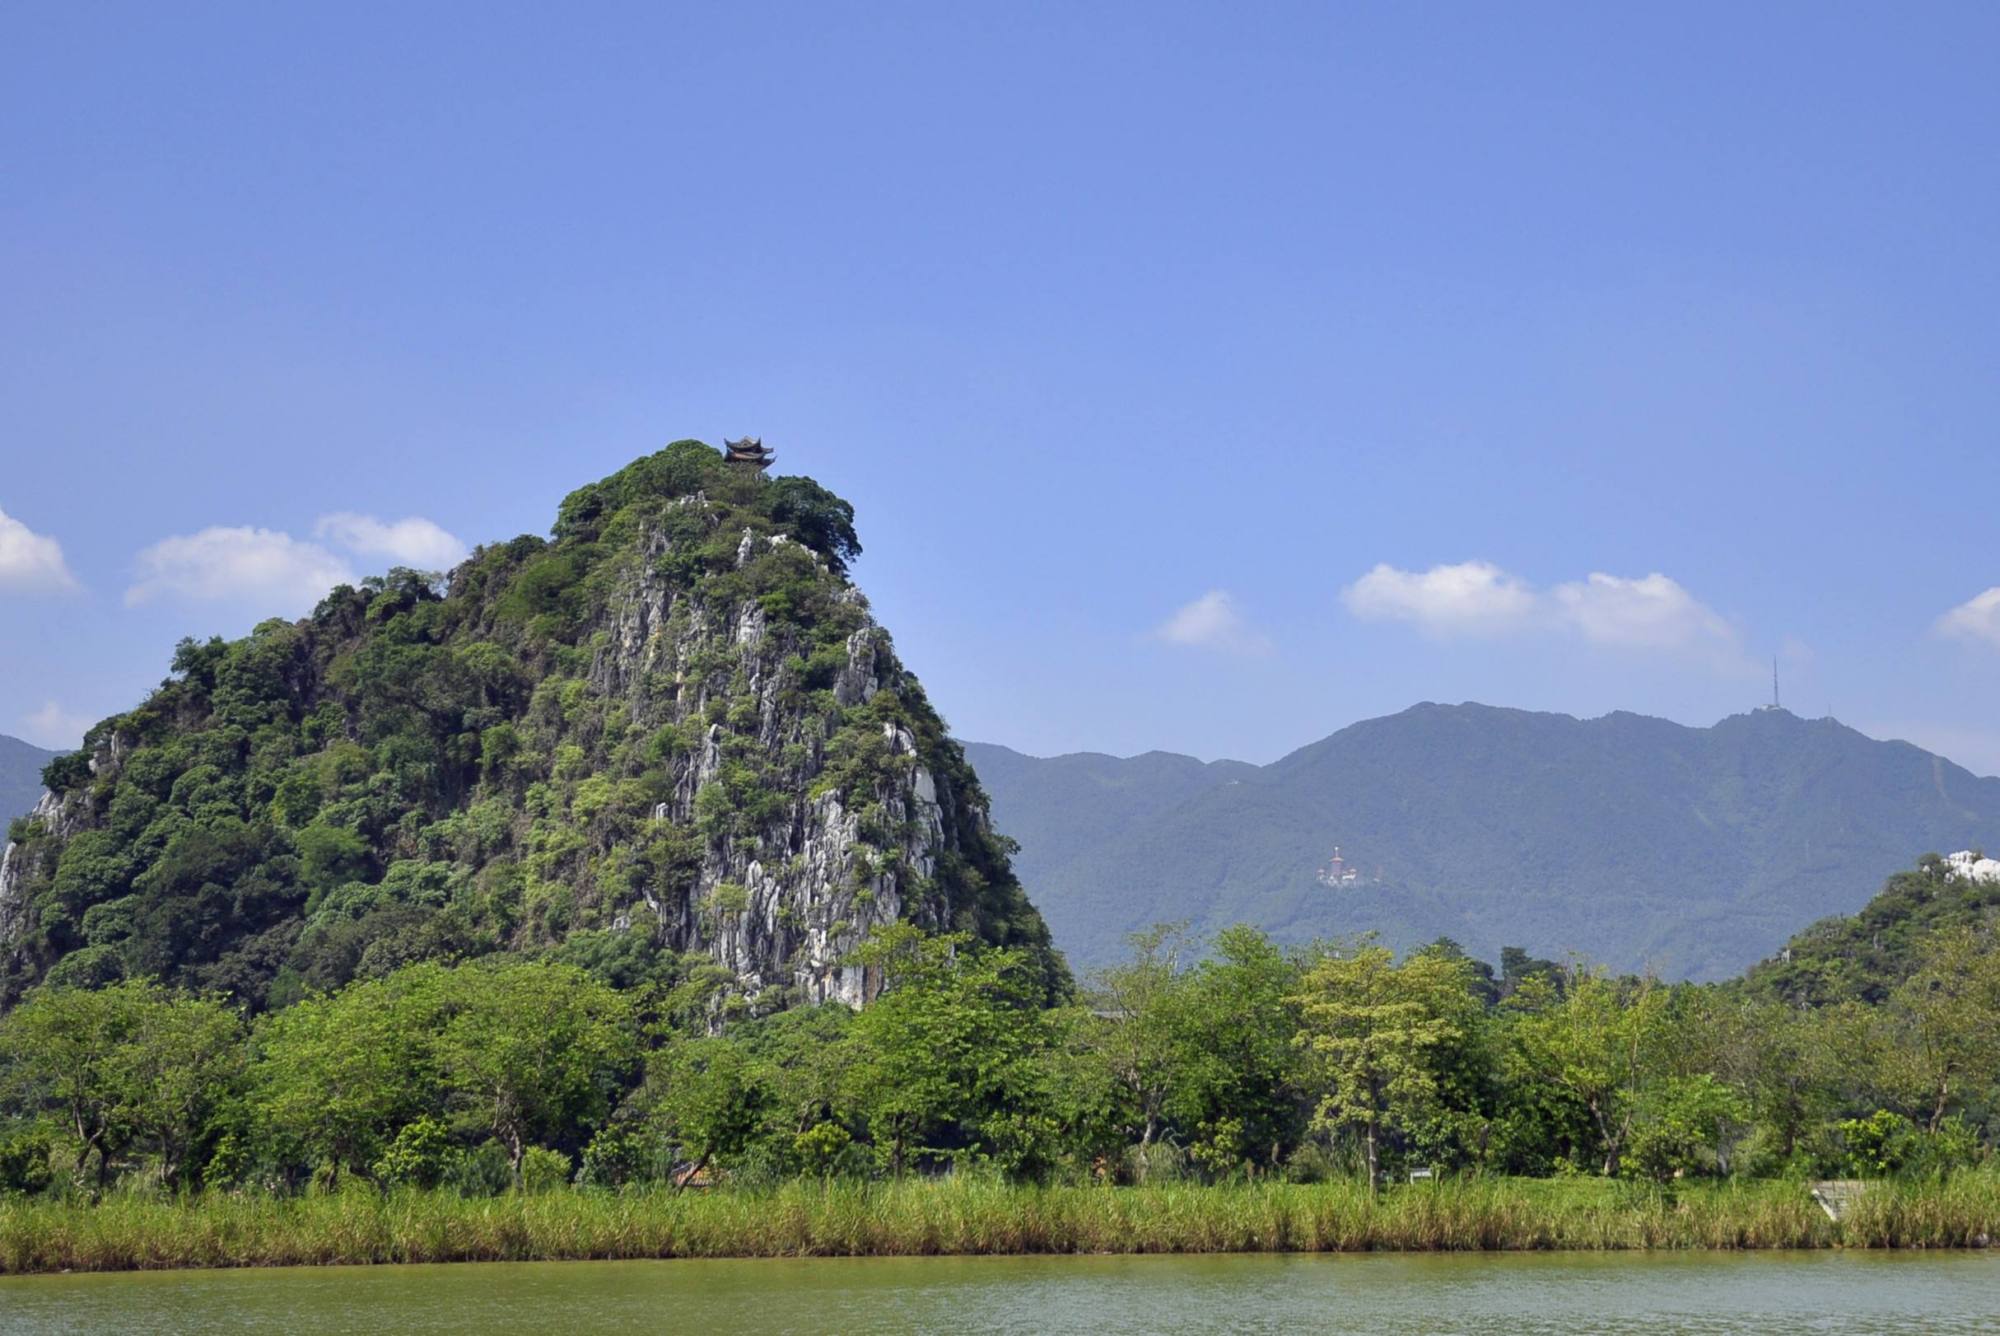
{"x": 1658, "y": 1294}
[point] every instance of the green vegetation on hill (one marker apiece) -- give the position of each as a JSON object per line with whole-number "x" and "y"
{"x": 1866, "y": 956}
{"x": 1691, "y": 852}
{"x": 668, "y": 741}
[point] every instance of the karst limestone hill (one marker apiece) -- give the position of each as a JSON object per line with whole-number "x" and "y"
{"x": 667, "y": 741}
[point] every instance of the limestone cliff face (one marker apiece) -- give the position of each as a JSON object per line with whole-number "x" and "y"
{"x": 672, "y": 734}
{"x": 786, "y": 902}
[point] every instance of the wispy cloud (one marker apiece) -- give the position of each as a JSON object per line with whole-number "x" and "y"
{"x": 30, "y": 562}
{"x": 1212, "y": 622}
{"x": 1477, "y": 598}
{"x": 238, "y": 564}
{"x": 411, "y": 541}
{"x": 1978, "y": 618}
{"x": 1651, "y": 612}
{"x": 241, "y": 563}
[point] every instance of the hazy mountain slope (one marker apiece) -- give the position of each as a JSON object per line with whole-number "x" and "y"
{"x": 1065, "y": 801}
{"x": 1637, "y": 841}
{"x": 20, "y": 776}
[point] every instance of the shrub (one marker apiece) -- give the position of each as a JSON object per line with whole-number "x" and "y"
{"x": 481, "y": 1172}
{"x": 823, "y": 1148}
{"x": 543, "y": 1170}
{"x": 419, "y": 1156}
{"x": 24, "y": 1163}
{"x": 1878, "y": 1145}
{"x": 622, "y": 1153}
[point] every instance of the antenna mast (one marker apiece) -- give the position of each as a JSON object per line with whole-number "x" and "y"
{"x": 1774, "y": 683}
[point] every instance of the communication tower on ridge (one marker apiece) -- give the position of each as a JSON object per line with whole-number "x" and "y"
{"x": 1774, "y": 705}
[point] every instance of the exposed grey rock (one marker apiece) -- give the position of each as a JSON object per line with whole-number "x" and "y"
{"x": 787, "y": 904}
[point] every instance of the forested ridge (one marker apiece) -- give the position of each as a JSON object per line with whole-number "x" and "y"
{"x": 1642, "y": 843}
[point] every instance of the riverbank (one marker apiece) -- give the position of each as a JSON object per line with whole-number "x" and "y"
{"x": 928, "y": 1218}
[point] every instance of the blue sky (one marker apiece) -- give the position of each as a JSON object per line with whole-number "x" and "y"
{"x": 1204, "y": 377}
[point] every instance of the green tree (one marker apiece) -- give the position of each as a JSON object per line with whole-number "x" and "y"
{"x": 1944, "y": 1025}
{"x": 335, "y": 1077}
{"x": 1374, "y": 1028}
{"x": 1683, "y": 1126}
{"x": 711, "y": 1096}
{"x": 59, "y": 1054}
{"x": 1143, "y": 1043}
{"x": 946, "y": 1046}
{"x": 816, "y": 517}
{"x": 182, "y": 1067}
{"x": 1790, "y": 1065}
{"x": 1237, "y": 1088}
{"x": 1598, "y": 1042}
{"x": 132, "y": 1065}
{"x": 532, "y": 1050}
{"x": 804, "y": 1057}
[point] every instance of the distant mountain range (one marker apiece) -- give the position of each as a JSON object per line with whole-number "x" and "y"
{"x": 1636, "y": 841}
{"x": 20, "y": 776}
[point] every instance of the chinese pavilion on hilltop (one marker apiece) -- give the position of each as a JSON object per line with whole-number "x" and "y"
{"x": 749, "y": 450}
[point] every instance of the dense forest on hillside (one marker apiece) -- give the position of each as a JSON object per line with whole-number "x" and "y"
{"x": 1241, "y": 1060}
{"x": 667, "y": 742}
{"x": 1865, "y": 957}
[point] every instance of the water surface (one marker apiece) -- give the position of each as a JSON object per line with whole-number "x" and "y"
{"x": 1657, "y": 1294}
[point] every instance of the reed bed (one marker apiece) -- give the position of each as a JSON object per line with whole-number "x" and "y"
{"x": 917, "y": 1218}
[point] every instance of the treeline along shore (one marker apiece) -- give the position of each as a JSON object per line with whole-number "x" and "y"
{"x": 1219, "y": 1096}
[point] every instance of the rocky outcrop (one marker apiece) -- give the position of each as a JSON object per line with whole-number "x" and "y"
{"x": 12, "y": 904}
{"x": 58, "y": 817}
{"x": 786, "y": 903}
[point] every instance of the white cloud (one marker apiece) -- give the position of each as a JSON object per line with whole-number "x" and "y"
{"x": 1652, "y": 612}
{"x": 53, "y": 726}
{"x": 278, "y": 572}
{"x": 243, "y": 564}
{"x": 1978, "y": 618}
{"x": 1212, "y": 622}
{"x": 31, "y": 563}
{"x": 1477, "y": 598}
{"x": 412, "y": 541}
{"x": 1470, "y": 598}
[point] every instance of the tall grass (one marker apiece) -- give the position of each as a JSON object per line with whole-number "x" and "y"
{"x": 966, "y": 1217}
